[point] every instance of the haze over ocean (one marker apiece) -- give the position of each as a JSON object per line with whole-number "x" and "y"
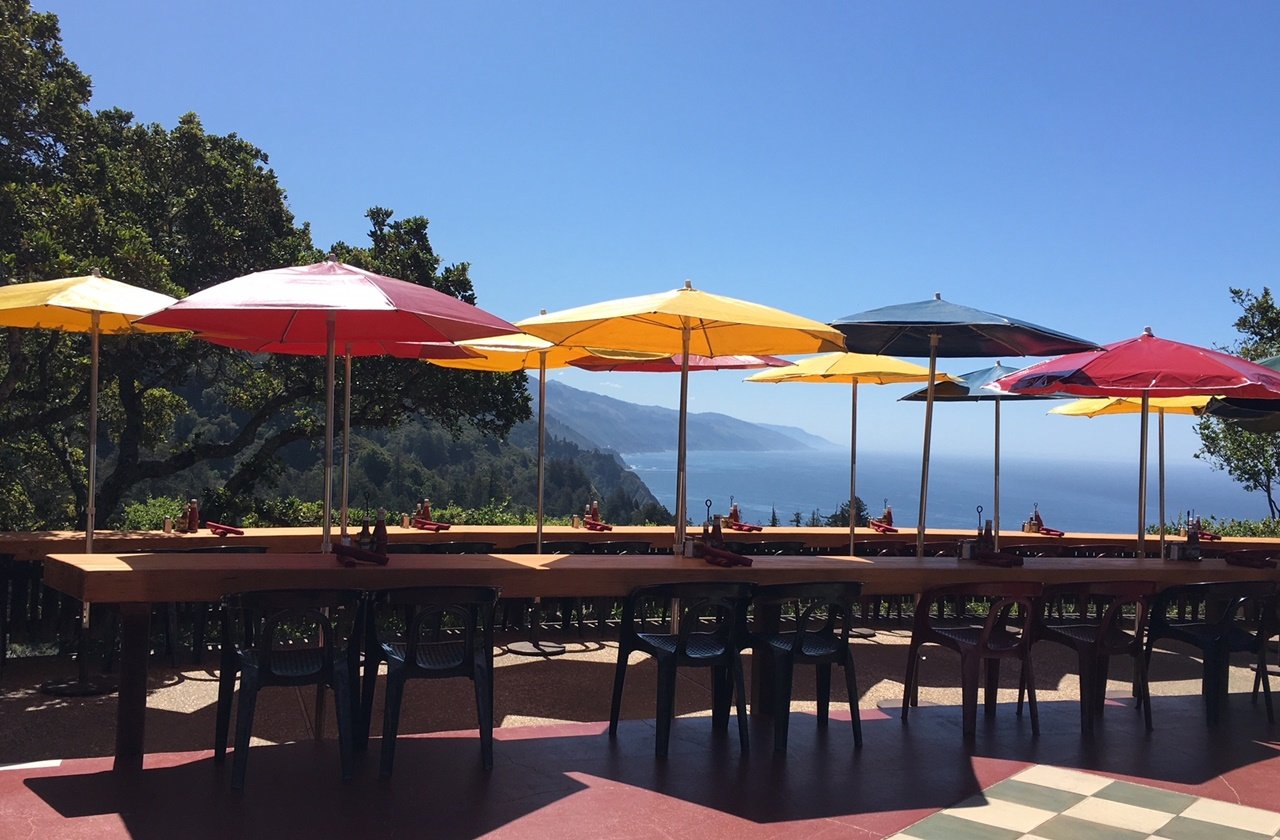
{"x": 1074, "y": 495}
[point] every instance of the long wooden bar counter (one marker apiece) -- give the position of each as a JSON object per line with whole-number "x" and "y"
{"x": 136, "y": 581}
{"x": 36, "y": 545}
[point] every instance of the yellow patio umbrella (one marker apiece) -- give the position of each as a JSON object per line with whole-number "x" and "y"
{"x": 852, "y": 369}
{"x": 684, "y": 321}
{"x": 1104, "y": 406}
{"x": 90, "y": 304}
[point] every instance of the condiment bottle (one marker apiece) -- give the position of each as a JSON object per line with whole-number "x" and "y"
{"x": 193, "y": 516}
{"x": 380, "y": 532}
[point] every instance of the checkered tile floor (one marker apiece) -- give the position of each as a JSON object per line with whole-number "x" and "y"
{"x": 1047, "y": 803}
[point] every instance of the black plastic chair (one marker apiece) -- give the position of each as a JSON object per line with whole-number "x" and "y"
{"x": 288, "y": 638}
{"x": 449, "y": 634}
{"x": 1095, "y": 642}
{"x": 978, "y": 646}
{"x": 815, "y": 640}
{"x": 712, "y": 627}
{"x": 1222, "y": 632}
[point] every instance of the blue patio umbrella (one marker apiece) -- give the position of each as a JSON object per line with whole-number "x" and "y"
{"x": 969, "y": 387}
{"x": 936, "y": 328}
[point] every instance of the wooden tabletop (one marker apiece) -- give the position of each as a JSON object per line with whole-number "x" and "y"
{"x": 158, "y": 578}
{"x": 36, "y": 545}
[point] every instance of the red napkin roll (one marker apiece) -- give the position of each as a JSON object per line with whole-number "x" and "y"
{"x": 881, "y": 527}
{"x": 718, "y": 556}
{"x": 999, "y": 559}
{"x": 223, "y": 530}
{"x": 1050, "y": 532}
{"x": 428, "y": 525}
{"x": 352, "y": 553}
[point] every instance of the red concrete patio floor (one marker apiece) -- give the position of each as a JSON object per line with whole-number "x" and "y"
{"x": 570, "y": 780}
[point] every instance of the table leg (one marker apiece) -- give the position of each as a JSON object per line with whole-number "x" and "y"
{"x": 767, "y": 619}
{"x": 131, "y": 714}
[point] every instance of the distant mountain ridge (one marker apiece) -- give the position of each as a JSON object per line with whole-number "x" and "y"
{"x": 599, "y": 422}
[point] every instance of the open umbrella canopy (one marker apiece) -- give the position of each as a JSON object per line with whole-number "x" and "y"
{"x": 90, "y": 304}
{"x": 1147, "y": 365}
{"x": 327, "y": 308}
{"x": 294, "y": 305}
{"x": 1252, "y": 415}
{"x": 934, "y": 328}
{"x": 69, "y": 303}
{"x": 431, "y": 350}
{"x": 971, "y": 387}
{"x": 861, "y": 368}
{"x": 851, "y": 369}
{"x": 521, "y": 351}
{"x": 905, "y": 329}
{"x": 673, "y": 364}
{"x": 684, "y": 321}
{"x": 717, "y": 326}
{"x": 1104, "y": 406}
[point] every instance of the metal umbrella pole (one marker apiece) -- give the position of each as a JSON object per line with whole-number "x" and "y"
{"x": 682, "y": 443}
{"x": 853, "y": 468}
{"x": 1160, "y": 413}
{"x": 997, "y": 480}
{"x": 542, "y": 438}
{"x": 331, "y": 329}
{"x": 1142, "y": 478}
{"x": 346, "y": 438}
{"x": 928, "y": 431}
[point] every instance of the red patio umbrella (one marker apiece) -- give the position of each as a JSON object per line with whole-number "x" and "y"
{"x": 327, "y": 304}
{"x": 1145, "y": 367}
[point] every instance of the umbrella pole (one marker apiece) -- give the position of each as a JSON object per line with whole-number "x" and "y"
{"x": 542, "y": 437}
{"x": 1162, "y": 518}
{"x": 331, "y": 329}
{"x": 928, "y": 431}
{"x": 682, "y": 443}
{"x": 1142, "y": 478}
{"x": 91, "y": 513}
{"x": 853, "y": 467}
{"x": 996, "y": 514}
{"x": 346, "y": 436}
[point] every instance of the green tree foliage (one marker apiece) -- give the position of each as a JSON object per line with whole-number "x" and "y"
{"x": 841, "y": 517}
{"x": 174, "y": 210}
{"x": 1251, "y": 459}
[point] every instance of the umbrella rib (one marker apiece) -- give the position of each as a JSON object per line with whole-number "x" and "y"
{"x": 1013, "y": 348}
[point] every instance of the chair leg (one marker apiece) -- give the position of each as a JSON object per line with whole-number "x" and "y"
{"x": 721, "y": 696}
{"x": 1085, "y": 665}
{"x": 1031, "y": 693}
{"x": 244, "y": 727}
{"x": 619, "y": 677}
{"x": 666, "y": 703}
{"x": 1266, "y": 681}
{"x": 1144, "y": 690}
{"x": 824, "y": 694}
{"x": 342, "y": 707}
{"x": 970, "y": 672}
{"x": 1103, "y": 663}
{"x": 226, "y": 691}
{"x": 992, "y": 686}
{"x": 318, "y": 726}
{"x": 740, "y": 692}
{"x": 851, "y": 685}
{"x": 782, "y": 675}
{"x": 391, "y": 722}
{"x": 171, "y": 630}
{"x": 484, "y": 713}
{"x": 909, "y": 696}
{"x": 199, "y": 624}
{"x": 368, "y": 688}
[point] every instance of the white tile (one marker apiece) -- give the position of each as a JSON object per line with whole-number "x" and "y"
{"x": 1235, "y": 816}
{"x": 1000, "y": 813}
{"x": 33, "y": 765}
{"x": 1119, "y": 815}
{"x": 1074, "y": 781}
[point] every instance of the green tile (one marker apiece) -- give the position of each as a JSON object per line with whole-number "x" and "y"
{"x": 946, "y": 827}
{"x": 1034, "y": 796}
{"x": 1063, "y": 827}
{"x": 1168, "y": 801}
{"x": 1185, "y": 828}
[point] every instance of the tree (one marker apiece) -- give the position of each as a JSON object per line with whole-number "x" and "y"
{"x": 1251, "y": 459}
{"x": 797, "y": 519}
{"x": 841, "y": 517}
{"x": 773, "y": 517}
{"x": 174, "y": 210}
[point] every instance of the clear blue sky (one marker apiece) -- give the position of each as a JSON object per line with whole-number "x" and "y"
{"x": 1095, "y": 167}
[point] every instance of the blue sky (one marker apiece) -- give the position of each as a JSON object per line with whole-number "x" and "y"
{"x": 1095, "y": 167}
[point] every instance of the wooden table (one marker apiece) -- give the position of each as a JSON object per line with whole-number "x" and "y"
{"x": 136, "y": 581}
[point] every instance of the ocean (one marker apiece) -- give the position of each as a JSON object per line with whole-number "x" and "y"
{"x": 1077, "y": 495}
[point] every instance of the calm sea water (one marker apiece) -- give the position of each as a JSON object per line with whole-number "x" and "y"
{"x": 1073, "y": 495}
